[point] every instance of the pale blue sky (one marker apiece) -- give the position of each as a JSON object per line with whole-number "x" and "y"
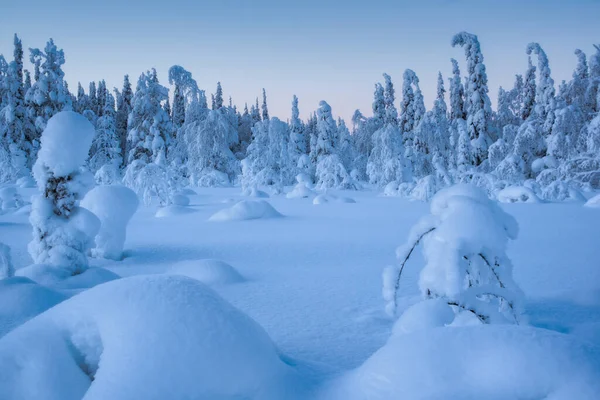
{"x": 331, "y": 50}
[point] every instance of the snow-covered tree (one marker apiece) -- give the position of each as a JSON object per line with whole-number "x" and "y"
{"x": 47, "y": 96}
{"x": 124, "y": 99}
{"x": 544, "y": 95}
{"x": 105, "y": 149}
{"x": 218, "y": 97}
{"x": 255, "y": 112}
{"x": 268, "y": 161}
{"x": 529, "y": 91}
{"x": 149, "y": 125}
{"x": 391, "y": 113}
{"x": 265, "y": 110}
{"x": 210, "y": 160}
{"x": 330, "y": 171}
{"x": 62, "y": 231}
{"x": 386, "y": 162}
{"x": 478, "y": 106}
{"x": 577, "y": 88}
{"x": 298, "y": 142}
{"x": 466, "y": 265}
{"x": 457, "y": 94}
{"x": 593, "y": 91}
{"x": 6, "y": 267}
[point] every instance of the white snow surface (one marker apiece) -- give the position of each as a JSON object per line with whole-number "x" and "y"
{"x": 246, "y": 209}
{"x": 147, "y": 337}
{"x": 114, "y": 206}
{"x": 210, "y": 272}
{"x": 313, "y": 283}
{"x": 65, "y": 143}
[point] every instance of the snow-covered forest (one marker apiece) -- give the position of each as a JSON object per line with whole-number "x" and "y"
{"x": 543, "y": 135}
{"x": 161, "y": 241}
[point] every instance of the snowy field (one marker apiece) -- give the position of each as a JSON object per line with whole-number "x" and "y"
{"x": 312, "y": 277}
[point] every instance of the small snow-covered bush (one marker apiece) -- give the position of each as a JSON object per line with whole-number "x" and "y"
{"x": 114, "y": 205}
{"x": 331, "y": 174}
{"x": 10, "y": 199}
{"x": 62, "y": 231}
{"x": 148, "y": 180}
{"x": 594, "y": 202}
{"x": 108, "y": 174}
{"x": 517, "y": 194}
{"x": 464, "y": 246}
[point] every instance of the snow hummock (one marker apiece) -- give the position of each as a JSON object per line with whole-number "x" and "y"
{"x": 22, "y": 299}
{"x": 9, "y": 198}
{"x": 426, "y": 314}
{"x": 594, "y": 202}
{"x": 517, "y": 194}
{"x": 326, "y": 198}
{"x": 144, "y": 337}
{"x": 210, "y": 272}
{"x": 246, "y": 209}
{"x": 300, "y": 191}
{"x": 254, "y": 192}
{"x": 114, "y": 205}
{"x": 26, "y": 182}
{"x": 322, "y": 199}
{"x": 65, "y": 143}
{"x": 179, "y": 199}
{"x": 480, "y": 362}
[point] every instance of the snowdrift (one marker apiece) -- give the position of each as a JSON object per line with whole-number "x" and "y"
{"x": 246, "y": 209}
{"x": 477, "y": 362}
{"x": 145, "y": 337}
{"x": 594, "y": 202}
{"x": 210, "y": 272}
{"x": 173, "y": 210}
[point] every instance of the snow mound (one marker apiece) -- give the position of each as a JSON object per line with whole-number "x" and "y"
{"x": 254, "y": 192}
{"x": 321, "y": 199}
{"x": 114, "y": 206}
{"x": 480, "y": 362}
{"x": 158, "y": 337}
{"x": 180, "y": 200}
{"x": 426, "y": 314}
{"x": 210, "y": 272}
{"x": 172, "y": 210}
{"x": 6, "y": 267}
{"x": 347, "y": 200}
{"x": 300, "y": 191}
{"x": 65, "y": 142}
{"x": 26, "y": 182}
{"x": 22, "y": 299}
{"x": 594, "y": 202}
{"x": 246, "y": 209}
{"x": 517, "y": 194}
{"x": 187, "y": 192}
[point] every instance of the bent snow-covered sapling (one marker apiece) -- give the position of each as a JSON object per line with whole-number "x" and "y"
{"x": 464, "y": 246}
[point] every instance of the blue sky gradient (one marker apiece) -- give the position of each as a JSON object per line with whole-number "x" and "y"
{"x": 318, "y": 50}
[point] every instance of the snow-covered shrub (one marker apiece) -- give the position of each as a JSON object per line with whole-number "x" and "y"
{"x": 108, "y": 174}
{"x": 303, "y": 188}
{"x": 386, "y": 161}
{"x": 62, "y": 231}
{"x": 6, "y": 268}
{"x": 331, "y": 174}
{"x": 517, "y": 194}
{"x": 464, "y": 246}
{"x": 10, "y": 199}
{"x": 114, "y": 206}
{"x": 186, "y": 343}
{"x": 148, "y": 181}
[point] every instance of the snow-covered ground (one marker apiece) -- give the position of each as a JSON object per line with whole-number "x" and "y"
{"x": 312, "y": 277}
